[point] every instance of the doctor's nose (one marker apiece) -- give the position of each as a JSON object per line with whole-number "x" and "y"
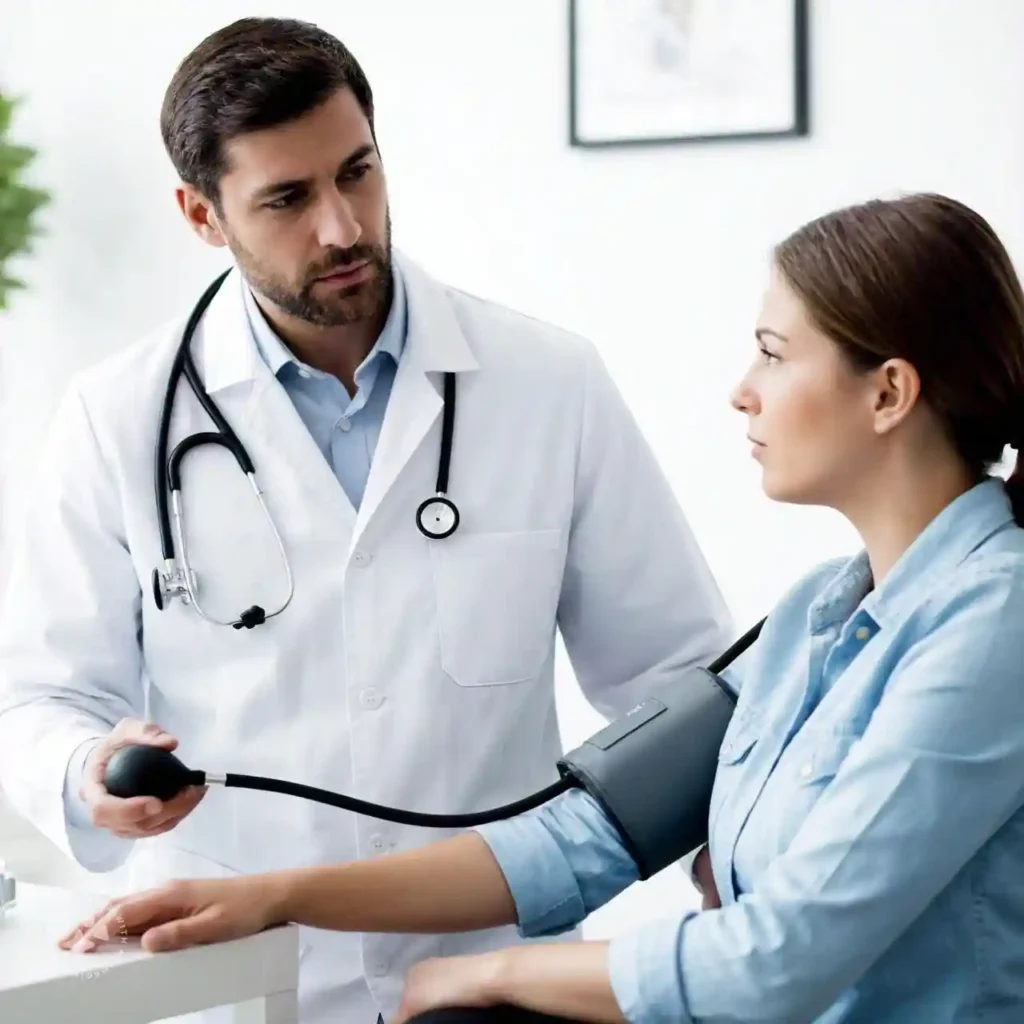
{"x": 337, "y": 225}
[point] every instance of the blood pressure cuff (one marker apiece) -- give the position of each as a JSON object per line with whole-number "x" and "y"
{"x": 652, "y": 771}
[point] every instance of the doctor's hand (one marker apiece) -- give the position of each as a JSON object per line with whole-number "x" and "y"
{"x": 138, "y": 817}
{"x": 180, "y": 914}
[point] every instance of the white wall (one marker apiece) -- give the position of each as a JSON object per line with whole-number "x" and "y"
{"x": 659, "y": 255}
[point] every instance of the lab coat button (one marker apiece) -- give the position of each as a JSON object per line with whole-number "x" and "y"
{"x": 371, "y": 699}
{"x": 360, "y": 557}
{"x": 805, "y": 769}
{"x": 862, "y": 633}
{"x": 377, "y": 842}
{"x": 380, "y": 969}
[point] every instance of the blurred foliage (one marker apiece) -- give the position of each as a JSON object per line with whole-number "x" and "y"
{"x": 19, "y": 202}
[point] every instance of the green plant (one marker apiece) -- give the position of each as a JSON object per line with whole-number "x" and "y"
{"x": 19, "y": 201}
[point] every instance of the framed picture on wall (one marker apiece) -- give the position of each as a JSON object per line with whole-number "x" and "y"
{"x": 669, "y": 71}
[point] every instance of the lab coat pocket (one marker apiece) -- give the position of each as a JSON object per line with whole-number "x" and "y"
{"x": 497, "y": 599}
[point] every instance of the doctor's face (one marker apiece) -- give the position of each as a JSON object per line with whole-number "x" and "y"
{"x": 305, "y": 213}
{"x": 810, "y": 414}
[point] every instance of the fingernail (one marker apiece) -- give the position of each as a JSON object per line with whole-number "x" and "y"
{"x": 101, "y": 932}
{"x": 84, "y": 945}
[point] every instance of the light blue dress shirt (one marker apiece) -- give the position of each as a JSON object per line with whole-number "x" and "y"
{"x": 866, "y": 825}
{"x": 345, "y": 428}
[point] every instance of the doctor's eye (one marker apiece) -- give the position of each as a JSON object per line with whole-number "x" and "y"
{"x": 284, "y": 202}
{"x": 767, "y": 354}
{"x": 356, "y": 173}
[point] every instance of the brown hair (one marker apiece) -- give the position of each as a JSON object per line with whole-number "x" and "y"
{"x": 255, "y": 73}
{"x": 924, "y": 278}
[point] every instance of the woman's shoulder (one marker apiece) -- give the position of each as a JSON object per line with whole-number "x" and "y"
{"x": 991, "y": 577}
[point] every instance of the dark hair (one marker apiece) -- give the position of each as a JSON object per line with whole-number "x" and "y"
{"x": 255, "y": 73}
{"x": 924, "y": 278}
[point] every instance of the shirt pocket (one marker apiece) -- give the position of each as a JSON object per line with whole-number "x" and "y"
{"x": 816, "y": 768}
{"x": 803, "y": 780}
{"x": 497, "y": 601}
{"x": 733, "y": 754}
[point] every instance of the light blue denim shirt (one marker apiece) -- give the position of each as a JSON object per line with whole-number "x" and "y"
{"x": 866, "y": 825}
{"x": 345, "y": 428}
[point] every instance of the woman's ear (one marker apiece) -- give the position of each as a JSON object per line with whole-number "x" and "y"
{"x": 897, "y": 389}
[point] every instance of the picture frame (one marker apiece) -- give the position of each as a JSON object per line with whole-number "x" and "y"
{"x": 657, "y": 72}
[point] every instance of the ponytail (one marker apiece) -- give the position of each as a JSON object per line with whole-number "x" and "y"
{"x": 1015, "y": 487}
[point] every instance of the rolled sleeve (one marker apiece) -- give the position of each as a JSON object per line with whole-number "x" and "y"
{"x": 645, "y": 969}
{"x": 561, "y": 862}
{"x": 544, "y": 889}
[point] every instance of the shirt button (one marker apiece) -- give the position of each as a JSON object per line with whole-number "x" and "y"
{"x": 380, "y": 969}
{"x": 344, "y": 425}
{"x": 361, "y": 557}
{"x": 862, "y": 633}
{"x": 805, "y": 769}
{"x": 304, "y": 373}
{"x": 371, "y": 699}
{"x": 376, "y": 843}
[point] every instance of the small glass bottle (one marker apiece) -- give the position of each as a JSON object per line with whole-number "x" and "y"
{"x": 8, "y": 890}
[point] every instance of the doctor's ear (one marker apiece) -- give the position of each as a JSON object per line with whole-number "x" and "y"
{"x": 201, "y": 216}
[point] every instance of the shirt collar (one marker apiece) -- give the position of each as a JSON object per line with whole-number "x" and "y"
{"x": 958, "y": 530}
{"x": 279, "y": 357}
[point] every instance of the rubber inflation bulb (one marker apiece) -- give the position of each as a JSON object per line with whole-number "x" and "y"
{"x": 143, "y": 770}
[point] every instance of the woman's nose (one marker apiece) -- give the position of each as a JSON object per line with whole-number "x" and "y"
{"x": 743, "y": 398}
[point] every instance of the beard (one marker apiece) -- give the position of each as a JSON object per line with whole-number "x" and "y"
{"x": 368, "y": 300}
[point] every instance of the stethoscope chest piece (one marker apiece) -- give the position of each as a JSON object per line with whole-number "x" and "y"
{"x": 437, "y": 518}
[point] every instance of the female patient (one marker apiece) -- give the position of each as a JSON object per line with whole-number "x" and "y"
{"x": 866, "y": 827}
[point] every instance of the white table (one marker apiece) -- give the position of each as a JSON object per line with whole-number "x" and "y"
{"x": 119, "y": 983}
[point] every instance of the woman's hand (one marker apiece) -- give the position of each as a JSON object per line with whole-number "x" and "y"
{"x": 180, "y": 914}
{"x": 706, "y": 880}
{"x": 564, "y": 979}
{"x": 452, "y": 982}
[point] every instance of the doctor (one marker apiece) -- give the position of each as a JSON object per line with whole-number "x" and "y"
{"x": 443, "y": 484}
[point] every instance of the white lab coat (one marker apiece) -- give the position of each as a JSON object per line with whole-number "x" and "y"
{"x": 409, "y": 672}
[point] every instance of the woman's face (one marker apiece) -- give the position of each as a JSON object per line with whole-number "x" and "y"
{"x": 810, "y": 414}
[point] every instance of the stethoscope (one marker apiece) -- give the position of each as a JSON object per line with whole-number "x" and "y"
{"x": 437, "y": 517}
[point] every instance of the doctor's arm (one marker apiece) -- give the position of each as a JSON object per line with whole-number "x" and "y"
{"x": 639, "y": 603}
{"x": 69, "y": 646}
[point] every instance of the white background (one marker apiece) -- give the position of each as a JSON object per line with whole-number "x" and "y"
{"x": 658, "y": 254}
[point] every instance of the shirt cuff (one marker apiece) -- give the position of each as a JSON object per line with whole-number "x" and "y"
{"x": 646, "y": 972}
{"x": 545, "y": 891}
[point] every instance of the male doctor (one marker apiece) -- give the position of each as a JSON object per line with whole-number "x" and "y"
{"x": 407, "y": 669}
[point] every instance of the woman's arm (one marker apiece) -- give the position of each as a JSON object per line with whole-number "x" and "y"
{"x": 454, "y": 885}
{"x": 544, "y": 870}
